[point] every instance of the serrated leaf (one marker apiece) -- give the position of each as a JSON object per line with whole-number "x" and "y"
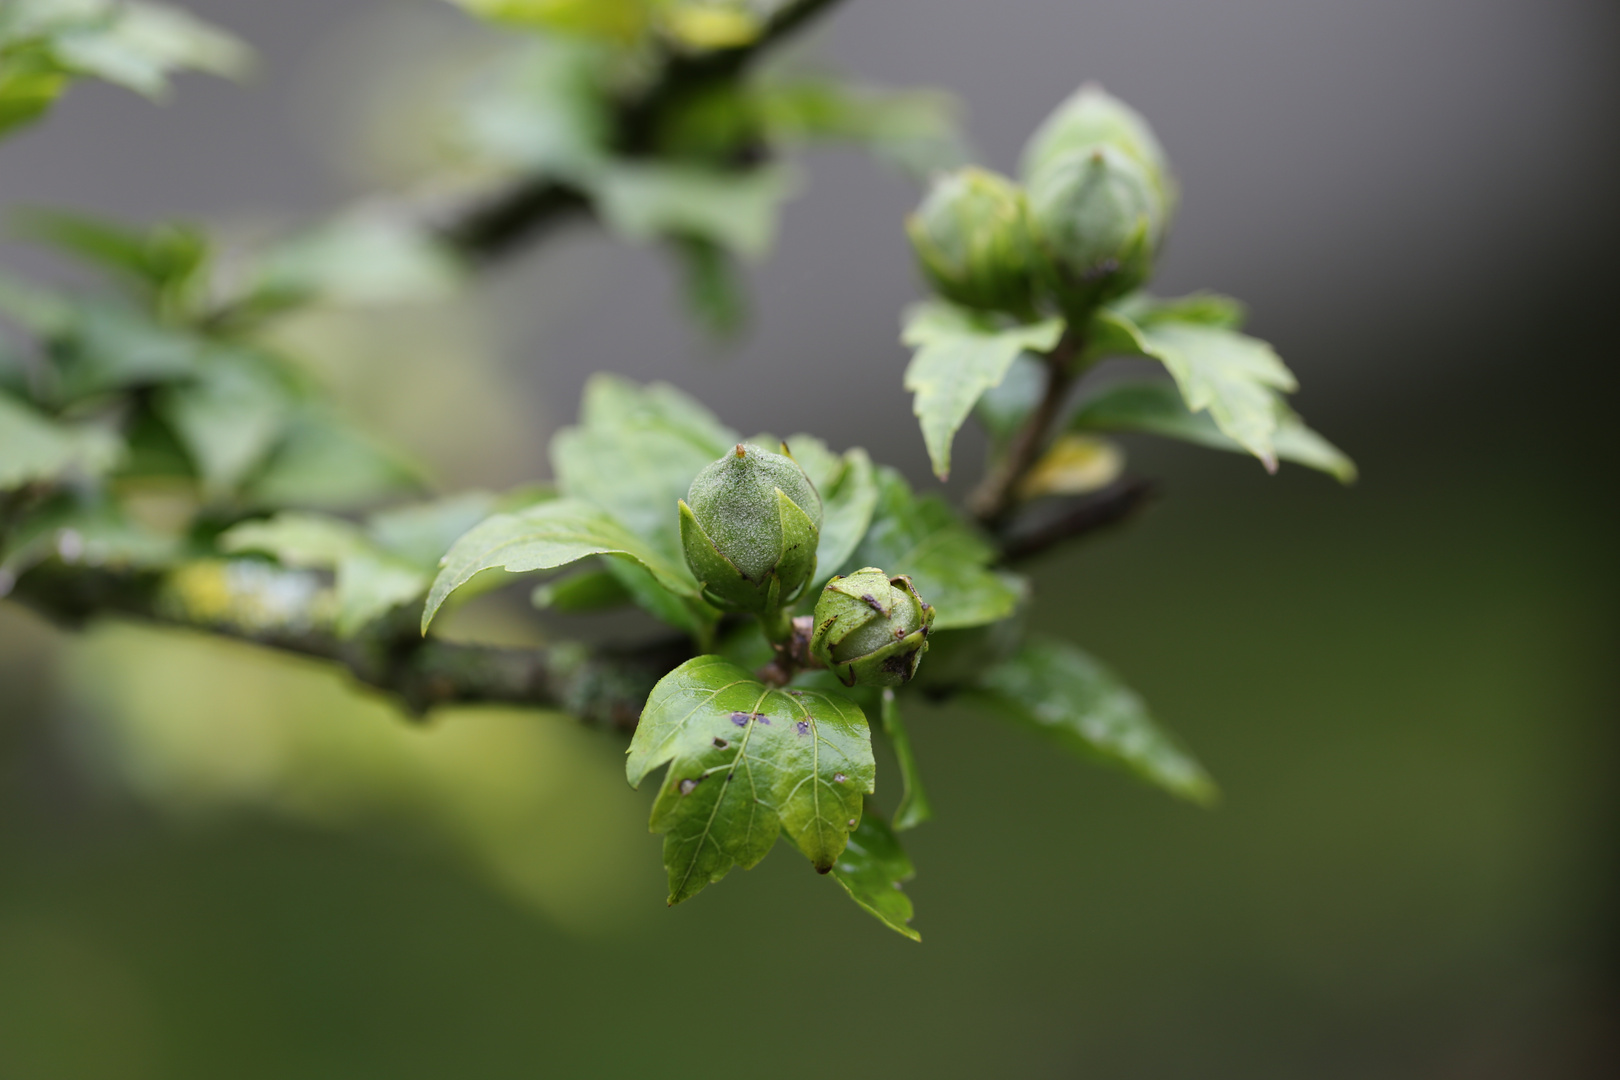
{"x": 1158, "y": 409}
{"x": 746, "y": 762}
{"x": 872, "y": 870}
{"x": 913, "y": 809}
{"x": 847, "y": 485}
{"x": 33, "y": 447}
{"x": 544, "y": 537}
{"x": 960, "y": 355}
{"x": 1073, "y": 465}
{"x": 734, "y": 210}
{"x": 1070, "y": 697}
{"x": 1237, "y": 378}
{"x": 947, "y": 560}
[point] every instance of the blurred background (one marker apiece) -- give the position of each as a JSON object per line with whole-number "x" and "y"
{"x": 216, "y": 862}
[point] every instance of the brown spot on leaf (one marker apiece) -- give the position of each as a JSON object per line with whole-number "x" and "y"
{"x": 688, "y": 786}
{"x": 720, "y": 743}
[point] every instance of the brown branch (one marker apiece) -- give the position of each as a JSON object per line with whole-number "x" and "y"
{"x": 605, "y": 688}
{"x": 1102, "y": 510}
{"x": 495, "y": 223}
{"x": 993, "y": 501}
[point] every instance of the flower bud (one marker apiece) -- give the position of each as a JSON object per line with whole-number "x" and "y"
{"x": 749, "y": 527}
{"x": 870, "y": 628}
{"x": 972, "y": 241}
{"x": 1098, "y": 221}
{"x": 1093, "y": 117}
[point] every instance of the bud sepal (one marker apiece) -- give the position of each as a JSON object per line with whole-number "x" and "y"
{"x": 870, "y": 628}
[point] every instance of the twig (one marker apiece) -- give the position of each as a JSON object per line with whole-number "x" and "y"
{"x": 1106, "y": 508}
{"x": 992, "y": 502}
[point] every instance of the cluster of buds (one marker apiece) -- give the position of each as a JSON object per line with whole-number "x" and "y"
{"x": 750, "y": 524}
{"x": 1085, "y": 227}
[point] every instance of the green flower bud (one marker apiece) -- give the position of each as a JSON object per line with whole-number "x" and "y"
{"x": 870, "y": 628}
{"x": 1093, "y": 117}
{"x": 1098, "y": 221}
{"x": 972, "y": 241}
{"x": 749, "y": 527}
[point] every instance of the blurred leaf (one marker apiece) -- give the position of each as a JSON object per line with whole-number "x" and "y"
{"x": 635, "y": 453}
{"x": 1063, "y": 693}
{"x": 746, "y": 761}
{"x": 421, "y": 533}
{"x": 618, "y": 20}
{"x": 1003, "y": 408}
{"x": 324, "y": 463}
{"x": 735, "y": 210}
{"x": 545, "y": 111}
{"x": 872, "y": 869}
{"x": 961, "y": 354}
{"x": 139, "y": 45}
{"x": 546, "y": 536}
{"x": 82, "y": 534}
{"x": 41, "y": 312}
{"x": 371, "y": 584}
{"x": 30, "y": 82}
{"x": 711, "y": 24}
{"x": 589, "y": 590}
{"x": 229, "y": 418}
{"x": 1158, "y": 409}
{"x": 165, "y": 258}
{"x": 360, "y": 259}
{"x": 917, "y": 131}
{"x": 715, "y": 297}
{"x": 1073, "y": 465}
{"x": 695, "y": 617}
{"x": 913, "y": 809}
{"x": 1203, "y": 308}
{"x": 1235, "y": 377}
{"x": 948, "y": 561}
{"x": 298, "y": 540}
{"x": 34, "y": 447}
{"x": 106, "y": 346}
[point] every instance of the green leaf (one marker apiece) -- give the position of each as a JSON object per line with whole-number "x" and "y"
{"x": 298, "y": 540}
{"x": 139, "y": 45}
{"x": 421, "y": 533}
{"x": 913, "y": 809}
{"x": 747, "y": 761}
{"x": 847, "y": 485}
{"x": 1204, "y": 308}
{"x": 229, "y": 418}
{"x": 916, "y": 131}
{"x": 105, "y": 347}
{"x": 162, "y": 258}
{"x": 947, "y": 560}
{"x": 323, "y": 462}
{"x": 96, "y": 534}
{"x": 34, "y": 447}
{"x": 735, "y": 210}
{"x": 635, "y": 454}
{"x": 960, "y": 355}
{"x": 618, "y": 20}
{"x": 359, "y": 259}
{"x": 369, "y": 585}
{"x": 1158, "y": 409}
{"x": 544, "y": 537}
{"x": 588, "y": 590}
{"x": 872, "y": 869}
{"x": 1065, "y": 694}
{"x": 1235, "y": 377}
{"x": 545, "y": 111}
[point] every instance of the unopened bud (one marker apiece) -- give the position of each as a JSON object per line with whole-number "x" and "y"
{"x": 1098, "y": 221}
{"x": 1093, "y": 117}
{"x": 870, "y": 628}
{"x": 749, "y": 527}
{"x": 971, "y": 235}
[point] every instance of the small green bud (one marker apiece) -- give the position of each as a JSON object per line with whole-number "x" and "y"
{"x": 749, "y": 527}
{"x": 1093, "y": 117}
{"x": 1098, "y": 221}
{"x": 870, "y": 628}
{"x": 971, "y": 236}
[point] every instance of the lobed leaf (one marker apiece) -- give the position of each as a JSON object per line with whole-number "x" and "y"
{"x": 544, "y": 537}
{"x": 960, "y": 355}
{"x": 746, "y": 762}
{"x": 1158, "y": 409}
{"x": 1067, "y": 695}
{"x": 872, "y": 870}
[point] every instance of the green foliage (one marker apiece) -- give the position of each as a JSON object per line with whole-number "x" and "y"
{"x": 44, "y": 44}
{"x": 1066, "y": 695}
{"x": 746, "y": 762}
{"x": 805, "y": 586}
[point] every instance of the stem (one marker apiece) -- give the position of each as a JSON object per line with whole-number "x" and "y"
{"x": 1104, "y": 509}
{"x": 992, "y": 502}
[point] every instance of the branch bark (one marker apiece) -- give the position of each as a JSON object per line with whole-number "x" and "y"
{"x": 605, "y": 688}
{"x": 1094, "y": 513}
